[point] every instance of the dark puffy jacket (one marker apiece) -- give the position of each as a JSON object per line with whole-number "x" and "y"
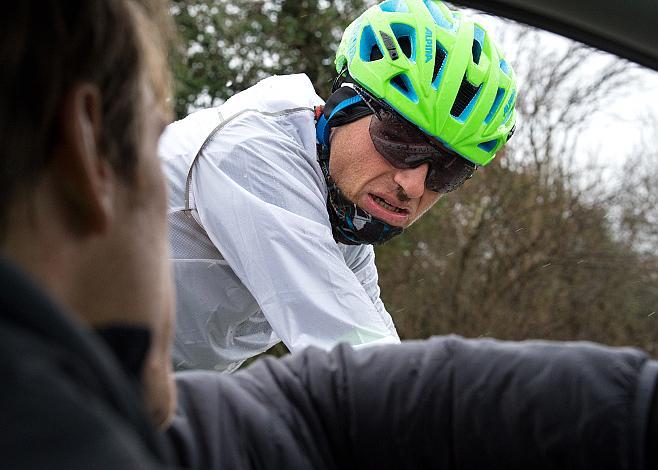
{"x": 446, "y": 403}
{"x": 67, "y": 401}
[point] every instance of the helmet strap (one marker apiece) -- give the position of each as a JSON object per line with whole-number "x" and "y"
{"x": 344, "y": 105}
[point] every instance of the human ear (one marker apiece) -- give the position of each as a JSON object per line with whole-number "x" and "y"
{"x": 84, "y": 177}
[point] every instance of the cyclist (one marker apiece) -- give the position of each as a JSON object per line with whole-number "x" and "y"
{"x": 276, "y": 198}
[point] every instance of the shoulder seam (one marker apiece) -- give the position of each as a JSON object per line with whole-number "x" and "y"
{"x": 217, "y": 129}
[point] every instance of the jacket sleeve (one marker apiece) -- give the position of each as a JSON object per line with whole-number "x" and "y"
{"x": 361, "y": 260}
{"x": 445, "y": 403}
{"x": 259, "y": 196}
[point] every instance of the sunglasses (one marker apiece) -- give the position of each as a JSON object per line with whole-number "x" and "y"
{"x": 405, "y": 146}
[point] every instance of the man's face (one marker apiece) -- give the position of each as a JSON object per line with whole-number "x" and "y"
{"x": 396, "y": 196}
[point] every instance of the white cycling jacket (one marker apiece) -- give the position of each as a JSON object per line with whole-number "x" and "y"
{"x": 253, "y": 253}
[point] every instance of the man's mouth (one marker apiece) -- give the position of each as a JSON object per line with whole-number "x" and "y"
{"x": 388, "y": 206}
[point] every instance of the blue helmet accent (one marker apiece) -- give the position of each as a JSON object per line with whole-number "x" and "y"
{"x": 439, "y": 19}
{"x": 368, "y": 42}
{"x": 394, "y": 6}
{"x": 496, "y": 104}
{"x": 322, "y": 128}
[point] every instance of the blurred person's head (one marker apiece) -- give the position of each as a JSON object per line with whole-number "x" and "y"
{"x": 83, "y": 90}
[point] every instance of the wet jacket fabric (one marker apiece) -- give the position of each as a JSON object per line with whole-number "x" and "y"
{"x": 65, "y": 401}
{"x": 447, "y": 403}
{"x": 254, "y": 258}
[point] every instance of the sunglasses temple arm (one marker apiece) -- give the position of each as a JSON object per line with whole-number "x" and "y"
{"x": 366, "y": 99}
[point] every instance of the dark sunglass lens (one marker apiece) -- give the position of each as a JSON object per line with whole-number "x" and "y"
{"x": 444, "y": 179}
{"x": 399, "y": 143}
{"x": 405, "y": 146}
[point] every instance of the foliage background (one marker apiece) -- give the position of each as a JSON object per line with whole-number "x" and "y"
{"x": 538, "y": 244}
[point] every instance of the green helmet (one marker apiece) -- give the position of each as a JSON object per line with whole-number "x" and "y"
{"x": 437, "y": 69}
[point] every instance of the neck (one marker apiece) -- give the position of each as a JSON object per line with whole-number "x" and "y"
{"x": 40, "y": 253}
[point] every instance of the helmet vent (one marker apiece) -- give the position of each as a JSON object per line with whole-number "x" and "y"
{"x": 394, "y": 6}
{"x": 403, "y": 85}
{"x": 509, "y": 106}
{"x": 504, "y": 67}
{"x": 438, "y": 16}
{"x": 464, "y": 97}
{"x": 478, "y": 39}
{"x": 406, "y": 38}
{"x": 439, "y": 60}
{"x": 369, "y": 49}
{"x": 477, "y": 51}
{"x": 405, "y": 45}
{"x": 400, "y": 83}
{"x": 495, "y": 105}
{"x": 375, "y": 53}
{"x": 488, "y": 146}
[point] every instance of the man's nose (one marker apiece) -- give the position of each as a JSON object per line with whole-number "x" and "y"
{"x": 412, "y": 180}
